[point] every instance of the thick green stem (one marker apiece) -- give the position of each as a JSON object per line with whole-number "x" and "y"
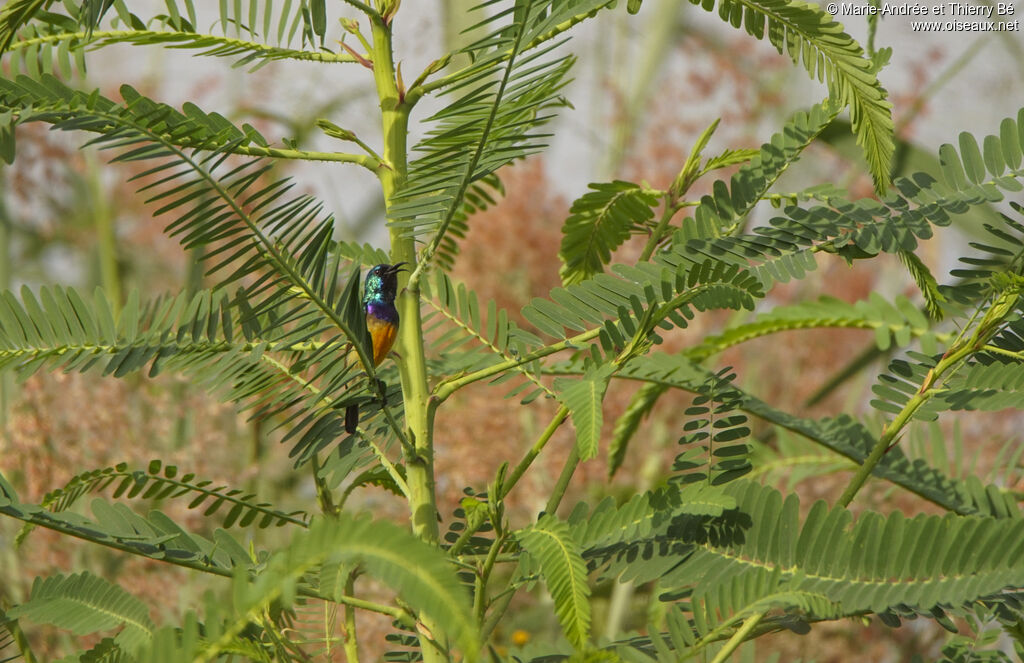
{"x": 571, "y": 463}
{"x": 419, "y": 411}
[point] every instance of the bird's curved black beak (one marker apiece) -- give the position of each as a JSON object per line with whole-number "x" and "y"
{"x": 398, "y": 267}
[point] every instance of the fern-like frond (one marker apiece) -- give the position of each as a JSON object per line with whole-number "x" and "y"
{"x": 502, "y": 100}
{"x": 418, "y": 572}
{"x": 856, "y": 229}
{"x": 551, "y": 543}
{"x": 715, "y": 451}
{"x": 279, "y": 245}
{"x": 219, "y": 342}
{"x": 161, "y": 482}
{"x": 641, "y": 297}
{"x": 1003, "y": 251}
{"x": 896, "y": 322}
{"x": 878, "y": 563}
{"x": 841, "y": 434}
{"x": 116, "y": 526}
{"x": 599, "y": 222}
{"x": 85, "y": 604}
{"x": 480, "y": 195}
{"x": 726, "y": 209}
{"x": 811, "y": 37}
{"x": 51, "y": 101}
{"x": 585, "y": 398}
{"x": 459, "y": 319}
{"x": 252, "y": 32}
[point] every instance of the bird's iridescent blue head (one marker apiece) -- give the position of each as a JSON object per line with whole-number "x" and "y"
{"x": 382, "y": 283}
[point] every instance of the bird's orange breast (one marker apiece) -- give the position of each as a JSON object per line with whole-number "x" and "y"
{"x": 383, "y": 334}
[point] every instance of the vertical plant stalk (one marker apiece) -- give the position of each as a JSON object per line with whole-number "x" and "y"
{"x": 419, "y": 411}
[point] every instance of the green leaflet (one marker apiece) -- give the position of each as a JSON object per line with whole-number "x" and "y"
{"x": 881, "y": 562}
{"x": 584, "y": 398}
{"x": 85, "y": 604}
{"x": 418, "y": 572}
{"x": 898, "y": 321}
{"x": 599, "y": 222}
{"x": 161, "y": 482}
{"x": 551, "y": 543}
{"x": 727, "y": 207}
{"x": 812, "y": 38}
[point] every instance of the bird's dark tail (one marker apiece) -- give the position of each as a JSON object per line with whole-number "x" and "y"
{"x": 351, "y": 419}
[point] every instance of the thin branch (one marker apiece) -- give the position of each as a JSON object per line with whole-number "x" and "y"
{"x": 738, "y": 637}
{"x": 447, "y": 387}
{"x": 571, "y": 463}
{"x": 486, "y": 343}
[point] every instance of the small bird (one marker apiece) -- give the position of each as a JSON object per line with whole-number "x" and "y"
{"x": 379, "y": 293}
{"x": 379, "y": 301}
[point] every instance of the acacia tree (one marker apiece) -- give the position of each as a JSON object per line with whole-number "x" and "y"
{"x": 283, "y": 334}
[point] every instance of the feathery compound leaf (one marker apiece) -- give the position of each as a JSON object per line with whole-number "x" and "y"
{"x": 599, "y": 222}
{"x": 715, "y": 435}
{"x": 863, "y": 228}
{"x": 879, "y": 563}
{"x": 898, "y": 321}
{"x": 117, "y": 526}
{"x": 584, "y": 398}
{"x": 551, "y": 543}
{"x": 84, "y": 604}
{"x": 502, "y": 98}
{"x": 161, "y": 482}
{"x": 925, "y": 282}
{"x": 841, "y": 434}
{"x": 419, "y": 573}
{"x": 15, "y": 14}
{"x": 727, "y": 208}
{"x": 812, "y": 38}
{"x": 252, "y": 31}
